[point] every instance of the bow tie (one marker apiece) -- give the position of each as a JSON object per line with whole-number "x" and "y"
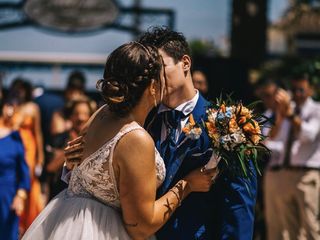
{"x": 172, "y": 118}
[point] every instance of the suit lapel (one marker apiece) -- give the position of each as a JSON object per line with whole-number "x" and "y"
{"x": 198, "y": 113}
{"x": 184, "y": 144}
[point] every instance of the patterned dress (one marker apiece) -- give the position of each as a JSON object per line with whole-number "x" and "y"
{"x": 90, "y": 207}
{"x": 34, "y": 204}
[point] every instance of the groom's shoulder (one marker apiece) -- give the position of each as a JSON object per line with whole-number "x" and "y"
{"x": 201, "y": 106}
{"x": 202, "y": 101}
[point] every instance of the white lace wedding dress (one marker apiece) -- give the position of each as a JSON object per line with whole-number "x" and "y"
{"x": 90, "y": 208}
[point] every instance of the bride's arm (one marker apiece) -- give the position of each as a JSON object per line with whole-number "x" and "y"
{"x": 143, "y": 215}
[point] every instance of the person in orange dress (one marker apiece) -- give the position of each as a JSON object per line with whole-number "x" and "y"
{"x": 26, "y": 119}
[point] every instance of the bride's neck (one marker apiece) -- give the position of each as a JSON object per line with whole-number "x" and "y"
{"x": 140, "y": 112}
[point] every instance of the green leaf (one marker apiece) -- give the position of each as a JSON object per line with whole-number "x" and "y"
{"x": 243, "y": 166}
{"x": 203, "y": 124}
{"x": 253, "y": 104}
{"x": 255, "y": 157}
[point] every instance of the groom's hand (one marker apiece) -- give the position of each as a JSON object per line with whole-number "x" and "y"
{"x": 201, "y": 179}
{"x": 74, "y": 152}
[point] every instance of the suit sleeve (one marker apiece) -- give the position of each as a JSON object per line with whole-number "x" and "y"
{"x": 234, "y": 199}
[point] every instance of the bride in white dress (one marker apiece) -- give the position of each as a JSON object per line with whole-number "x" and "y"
{"x": 112, "y": 193}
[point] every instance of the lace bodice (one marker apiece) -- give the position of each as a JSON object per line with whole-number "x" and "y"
{"x": 95, "y": 175}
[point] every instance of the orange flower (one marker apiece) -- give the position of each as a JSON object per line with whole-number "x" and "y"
{"x": 252, "y": 127}
{"x": 248, "y": 127}
{"x": 242, "y": 120}
{"x": 211, "y": 127}
{"x": 186, "y": 129}
{"x": 254, "y": 130}
{"x": 255, "y": 138}
{"x": 243, "y": 111}
{"x": 189, "y": 125}
{"x": 191, "y": 120}
{"x": 233, "y": 126}
{"x": 223, "y": 108}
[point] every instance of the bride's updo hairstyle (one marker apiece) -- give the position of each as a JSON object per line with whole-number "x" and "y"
{"x": 129, "y": 70}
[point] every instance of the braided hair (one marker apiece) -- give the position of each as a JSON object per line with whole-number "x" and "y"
{"x": 129, "y": 70}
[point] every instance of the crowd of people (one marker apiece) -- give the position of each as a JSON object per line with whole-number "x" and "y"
{"x": 35, "y": 127}
{"x": 290, "y": 186}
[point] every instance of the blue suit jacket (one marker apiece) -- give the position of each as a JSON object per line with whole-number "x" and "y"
{"x": 225, "y": 212}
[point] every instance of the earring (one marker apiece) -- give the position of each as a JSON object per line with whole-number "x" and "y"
{"x": 155, "y": 100}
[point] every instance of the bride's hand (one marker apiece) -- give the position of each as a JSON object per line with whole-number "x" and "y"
{"x": 201, "y": 179}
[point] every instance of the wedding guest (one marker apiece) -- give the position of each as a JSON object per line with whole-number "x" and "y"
{"x": 75, "y": 89}
{"x": 14, "y": 177}
{"x": 26, "y": 119}
{"x": 292, "y": 183}
{"x": 48, "y": 104}
{"x": 78, "y": 112}
{"x": 200, "y": 82}
{"x": 266, "y": 90}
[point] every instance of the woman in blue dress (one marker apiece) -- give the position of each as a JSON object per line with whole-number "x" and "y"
{"x": 14, "y": 178}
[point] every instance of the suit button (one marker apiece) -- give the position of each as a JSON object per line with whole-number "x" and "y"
{"x": 170, "y": 177}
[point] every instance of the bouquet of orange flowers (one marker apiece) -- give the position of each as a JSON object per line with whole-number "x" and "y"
{"x": 235, "y": 132}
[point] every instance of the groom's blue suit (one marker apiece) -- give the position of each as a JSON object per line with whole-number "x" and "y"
{"x": 225, "y": 212}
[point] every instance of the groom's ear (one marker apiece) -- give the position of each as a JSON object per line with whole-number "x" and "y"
{"x": 186, "y": 60}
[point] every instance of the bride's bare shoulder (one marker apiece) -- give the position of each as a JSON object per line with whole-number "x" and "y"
{"x": 136, "y": 142}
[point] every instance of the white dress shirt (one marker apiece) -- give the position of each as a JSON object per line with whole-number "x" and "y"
{"x": 186, "y": 108}
{"x": 305, "y": 151}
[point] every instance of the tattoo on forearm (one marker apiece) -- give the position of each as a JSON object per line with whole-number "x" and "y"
{"x": 130, "y": 224}
{"x": 169, "y": 211}
{"x": 179, "y": 195}
{"x": 180, "y": 190}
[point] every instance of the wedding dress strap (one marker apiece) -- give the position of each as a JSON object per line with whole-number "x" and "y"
{"x": 112, "y": 142}
{"x": 132, "y": 127}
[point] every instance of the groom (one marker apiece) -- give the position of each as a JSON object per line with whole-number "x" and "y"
{"x": 227, "y": 210}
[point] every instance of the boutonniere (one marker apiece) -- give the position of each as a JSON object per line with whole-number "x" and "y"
{"x": 192, "y": 129}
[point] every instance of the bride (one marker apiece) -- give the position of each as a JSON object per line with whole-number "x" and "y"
{"x": 112, "y": 193}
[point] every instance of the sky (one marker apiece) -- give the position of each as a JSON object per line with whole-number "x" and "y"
{"x": 197, "y": 19}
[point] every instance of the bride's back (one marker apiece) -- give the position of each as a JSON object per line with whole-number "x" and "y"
{"x": 101, "y": 128}
{"x": 96, "y": 176}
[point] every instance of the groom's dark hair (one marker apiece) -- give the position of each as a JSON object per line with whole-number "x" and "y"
{"x": 171, "y": 42}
